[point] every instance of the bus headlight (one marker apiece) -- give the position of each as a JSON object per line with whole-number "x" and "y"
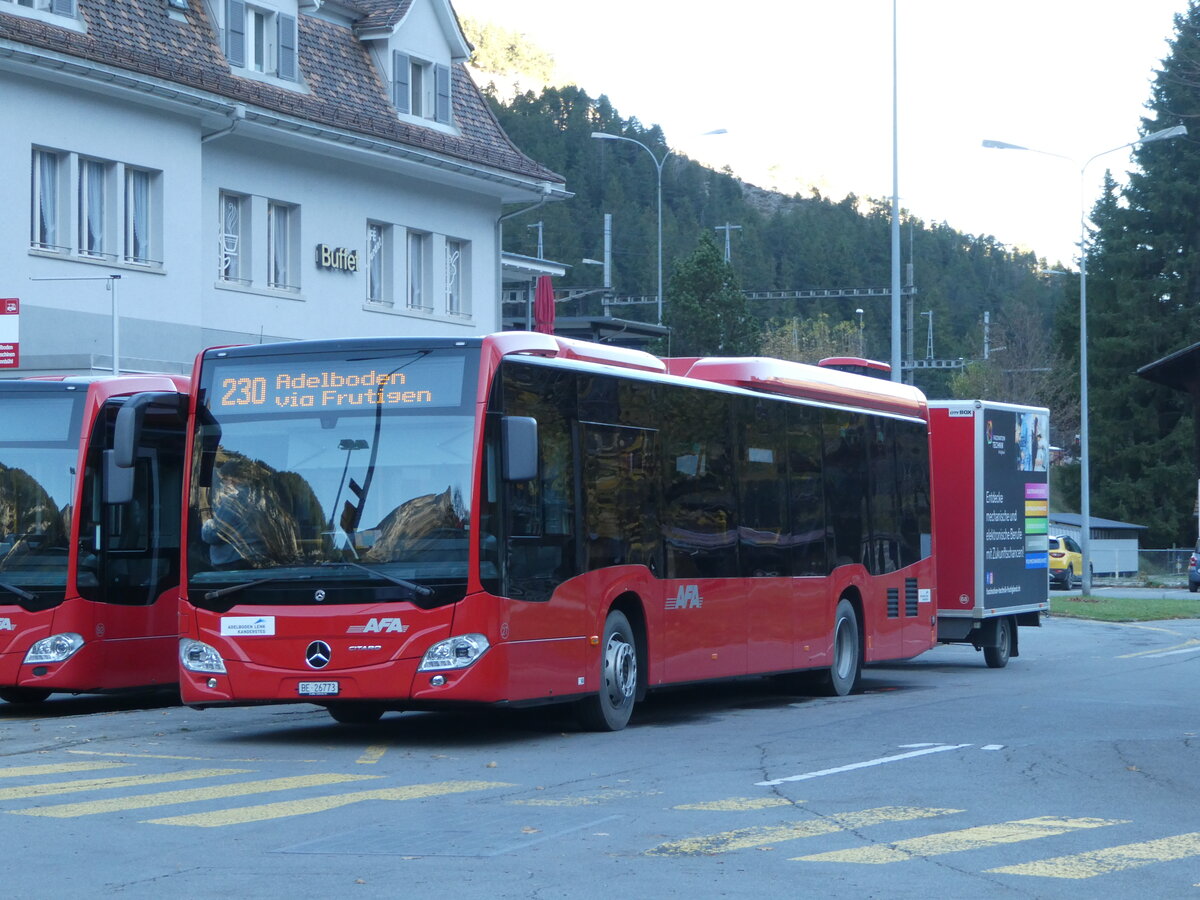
{"x": 54, "y": 649}
{"x": 196, "y": 656}
{"x": 454, "y": 653}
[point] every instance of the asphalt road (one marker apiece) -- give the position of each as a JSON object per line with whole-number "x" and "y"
{"x": 1074, "y": 772}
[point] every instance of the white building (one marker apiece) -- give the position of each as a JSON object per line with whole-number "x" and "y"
{"x": 224, "y": 171}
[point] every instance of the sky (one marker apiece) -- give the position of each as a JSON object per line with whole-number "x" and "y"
{"x": 804, "y": 89}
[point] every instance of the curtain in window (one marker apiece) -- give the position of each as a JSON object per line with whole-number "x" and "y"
{"x": 453, "y": 291}
{"x": 138, "y": 213}
{"x": 45, "y": 173}
{"x": 231, "y": 217}
{"x": 92, "y": 196}
{"x": 278, "y": 238}
{"x": 416, "y": 274}
{"x": 375, "y": 263}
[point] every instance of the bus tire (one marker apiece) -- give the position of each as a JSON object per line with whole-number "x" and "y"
{"x": 354, "y": 713}
{"x": 609, "y": 708}
{"x": 844, "y": 675}
{"x": 23, "y": 695}
{"x": 997, "y": 657}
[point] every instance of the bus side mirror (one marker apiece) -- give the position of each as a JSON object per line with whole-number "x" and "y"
{"x": 519, "y": 446}
{"x": 127, "y": 435}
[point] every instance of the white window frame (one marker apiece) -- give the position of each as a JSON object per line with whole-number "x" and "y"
{"x": 283, "y": 228}
{"x": 261, "y": 51}
{"x": 141, "y": 219}
{"x": 457, "y": 261}
{"x": 93, "y": 205}
{"x": 233, "y": 230}
{"x": 46, "y": 188}
{"x": 378, "y": 263}
{"x": 416, "y": 280}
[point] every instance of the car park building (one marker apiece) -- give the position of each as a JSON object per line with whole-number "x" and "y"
{"x": 221, "y": 171}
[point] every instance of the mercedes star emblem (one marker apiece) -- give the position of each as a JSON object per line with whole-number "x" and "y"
{"x": 317, "y": 655}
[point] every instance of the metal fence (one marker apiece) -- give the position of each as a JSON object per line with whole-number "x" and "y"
{"x": 1166, "y": 567}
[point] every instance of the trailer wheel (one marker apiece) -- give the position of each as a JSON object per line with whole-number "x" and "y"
{"x": 609, "y": 708}
{"x": 844, "y": 675}
{"x": 354, "y": 713}
{"x": 997, "y": 657}
{"x": 23, "y": 695}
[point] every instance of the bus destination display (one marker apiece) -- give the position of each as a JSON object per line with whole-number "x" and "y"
{"x": 336, "y": 386}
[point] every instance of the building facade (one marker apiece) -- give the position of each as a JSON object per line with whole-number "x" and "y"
{"x": 231, "y": 171}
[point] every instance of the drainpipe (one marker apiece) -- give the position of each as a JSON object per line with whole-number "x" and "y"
{"x": 547, "y": 189}
{"x": 237, "y": 114}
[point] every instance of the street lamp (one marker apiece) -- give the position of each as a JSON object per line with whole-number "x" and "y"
{"x": 1085, "y": 501}
{"x": 859, "y": 311}
{"x": 658, "y": 166}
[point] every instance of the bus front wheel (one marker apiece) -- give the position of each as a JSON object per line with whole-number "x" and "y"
{"x": 609, "y": 708}
{"x": 844, "y": 675}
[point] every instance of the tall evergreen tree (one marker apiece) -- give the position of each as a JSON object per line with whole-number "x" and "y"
{"x": 708, "y": 314}
{"x": 1143, "y": 303}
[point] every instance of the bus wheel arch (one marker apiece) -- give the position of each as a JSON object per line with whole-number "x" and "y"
{"x": 621, "y": 670}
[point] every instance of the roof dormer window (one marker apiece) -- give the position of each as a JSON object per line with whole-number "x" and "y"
{"x": 420, "y": 88}
{"x": 260, "y": 38}
{"x": 50, "y": 8}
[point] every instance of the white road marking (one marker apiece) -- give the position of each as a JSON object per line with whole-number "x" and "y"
{"x": 940, "y": 748}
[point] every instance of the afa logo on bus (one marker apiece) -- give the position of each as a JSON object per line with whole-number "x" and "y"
{"x": 687, "y": 598}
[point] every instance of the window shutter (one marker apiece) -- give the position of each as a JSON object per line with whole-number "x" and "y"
{"x": 63, "y": 7}
{"x": 400, "y": 96}
{"x": 442, "y": 74}
{"x": 235, "y": 32}
{"x": 287, "y": 47}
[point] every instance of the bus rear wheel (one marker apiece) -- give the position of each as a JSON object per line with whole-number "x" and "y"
{"x": 23, "y": 695}
{"x": 844, "y": 675}
{"x": 609, "y": 708}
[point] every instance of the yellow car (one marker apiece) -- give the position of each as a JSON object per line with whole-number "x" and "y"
{"x": 1066, "y": 563}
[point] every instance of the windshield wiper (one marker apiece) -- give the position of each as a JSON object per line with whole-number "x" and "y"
{"x": 234, "y": 588}
{"x": 419, "y": 589}
{"x": 20, "y": 592}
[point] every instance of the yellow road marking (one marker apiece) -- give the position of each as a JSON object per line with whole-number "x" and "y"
{"x": 372, "y": 754}
{"x": 191, "y": 795}
{"x": 757, "y": 837}
{"x": 1111, "y": 859}
{"x": 584, "y": 799}
{"x": 965, "y": 839}
{"x": 320, "y": 804}
{"x": 58, "y": 769}
{"x": 101, "y": 784}
{"x": 1192, "y": 642}
{"x": 741, "y": 804}
{"x": 252, "y": 759}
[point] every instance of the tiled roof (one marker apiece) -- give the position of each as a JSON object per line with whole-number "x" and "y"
{"x": 346, "y": 90}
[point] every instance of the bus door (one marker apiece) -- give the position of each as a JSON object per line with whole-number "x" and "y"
{"x": 134, "y": 573}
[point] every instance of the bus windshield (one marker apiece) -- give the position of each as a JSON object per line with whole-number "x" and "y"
{"x": 39, "y": 446}
{"x": 359, "y": 466}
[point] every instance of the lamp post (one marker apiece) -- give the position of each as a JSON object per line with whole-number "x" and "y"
{"x": 658, "y": 166}
{"x": 1085, "y": 499}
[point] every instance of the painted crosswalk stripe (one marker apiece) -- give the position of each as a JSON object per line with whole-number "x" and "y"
{"x": 1110, "y": 859}
{"x": 964, "y": 839}
{"x": 288, "y": 808}
{"x": 745, "y": 838}
{"x": 103, "y": 784}
{"x": 57, "y": 769}
{"x": 190, "y": 795}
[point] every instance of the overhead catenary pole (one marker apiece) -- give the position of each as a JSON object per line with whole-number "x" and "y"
{"x": 896, "y": 362}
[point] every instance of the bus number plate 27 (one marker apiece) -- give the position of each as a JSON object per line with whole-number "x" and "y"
{"x": 318, "y": 688}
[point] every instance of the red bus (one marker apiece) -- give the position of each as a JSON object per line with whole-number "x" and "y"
{"x": 402, "y": 523}
{"x": 89, "y": 549}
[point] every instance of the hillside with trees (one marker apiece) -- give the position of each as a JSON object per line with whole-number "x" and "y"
{"x": 784, "y": 243}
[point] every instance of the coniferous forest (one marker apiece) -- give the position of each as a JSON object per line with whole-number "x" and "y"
{"x": 1143, "y": 278}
